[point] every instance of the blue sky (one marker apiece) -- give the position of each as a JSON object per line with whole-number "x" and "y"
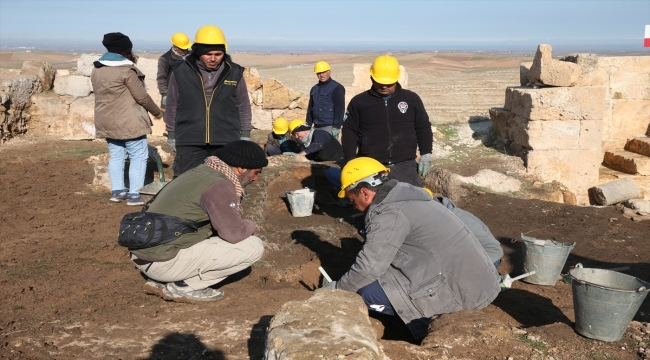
{"x": 327, "y": 24}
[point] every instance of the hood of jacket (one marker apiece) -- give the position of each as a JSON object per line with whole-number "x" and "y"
{"x": 394, "y": 191}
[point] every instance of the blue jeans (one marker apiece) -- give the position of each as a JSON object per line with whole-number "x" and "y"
{"x": 138, "y": 153}
{"x": 375, "y": 298}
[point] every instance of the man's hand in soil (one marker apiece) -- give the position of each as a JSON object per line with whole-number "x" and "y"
{"x": 330, "y": 285}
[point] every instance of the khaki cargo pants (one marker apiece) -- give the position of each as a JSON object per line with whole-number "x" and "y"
{"x": 206, "y": 263}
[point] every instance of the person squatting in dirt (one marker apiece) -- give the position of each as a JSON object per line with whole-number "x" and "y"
{"x": 388, "y": 124}
{"x": 186, "y": 267}
{"x": 418, "y": 259}
{"x": 279, "y": 140}
{"x": 121, "y": 106}
{"x": 315, "y": 144}
{"x": 326, "y": 101}
{"x": 207, "y": 101}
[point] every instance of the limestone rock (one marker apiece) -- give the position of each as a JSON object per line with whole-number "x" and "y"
{"x": 73, "y": 85}
{"x": 262, "y": 119}
{"x": 149, "y": 68}
{"x": 81, "y": 121}
{"x": 615, "y": 191}
{"x": 276, "y": 113}
{"x": 49, "y": 114}
{"x": 315, "y": 329}
{"x": 524, "y": 68}
{"x": 561, "y": 103}
{"x": 256, "y": 97}
{"x": 85, "y": 63}
{"x": 361, "y": 73}
{"x": 296, "y": 113}
{"x": 500, "y": 118}
{"x": 639, "y": 205}
{"x": 253, "y": 79}
{"x": 628, "y": 76}
{"x": 445, "y": 183}
{"x": 15, "y": 100}
{"x": 625, "y": 119}
{"x": 639, "y": 145}
{"x": 548, "y": 71}
{"x": 492, "y": 180}
{"x": 61, "y": 72}
{"x": 42, "y": 70}
{"x": 558, "y": 135}
{"x": 591, "y": 73}
{"x": 277, "y": 95}
{"x": 627, "y": 162}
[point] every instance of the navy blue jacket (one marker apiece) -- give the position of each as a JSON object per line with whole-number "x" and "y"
{"x": 326, "y": 104}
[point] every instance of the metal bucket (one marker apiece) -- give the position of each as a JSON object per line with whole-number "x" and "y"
{"x": 301, "y": 201}
{"x": 546, "y": 258}
{"x": 605, "y": 301}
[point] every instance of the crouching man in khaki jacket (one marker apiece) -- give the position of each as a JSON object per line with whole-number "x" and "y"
{"x": 209, "y": 194}
{"x": 419, "y": 259}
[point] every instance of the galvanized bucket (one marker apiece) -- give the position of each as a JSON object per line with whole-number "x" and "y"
{"x": 546, "y": 258}
{"x": 301, "y": 201}
{"x": 605, "y": 301}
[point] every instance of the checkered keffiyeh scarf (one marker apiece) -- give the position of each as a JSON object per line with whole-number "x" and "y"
{"x": 216, "y": 163}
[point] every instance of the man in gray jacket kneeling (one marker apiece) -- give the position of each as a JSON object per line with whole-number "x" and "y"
{"x": 419, "y": 259}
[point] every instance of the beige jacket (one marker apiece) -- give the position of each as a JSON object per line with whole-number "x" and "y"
{"x": 121, "y": 102}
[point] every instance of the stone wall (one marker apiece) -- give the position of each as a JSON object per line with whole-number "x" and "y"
{"x": 568, "y": 112}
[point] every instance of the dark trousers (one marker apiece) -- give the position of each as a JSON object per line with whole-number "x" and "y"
{"x": 189, "y": 157}
{"x": 405, "y": 171}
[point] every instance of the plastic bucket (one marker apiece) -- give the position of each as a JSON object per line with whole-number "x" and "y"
{"x": 605, "y": 301}
{"x": 301, "y": 201}
{"x": 546, "y": 258}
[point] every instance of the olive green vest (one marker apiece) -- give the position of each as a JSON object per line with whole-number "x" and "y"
{"x": 182, "y": 198}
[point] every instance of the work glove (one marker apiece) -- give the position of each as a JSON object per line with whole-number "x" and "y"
{"x": 289, "y": 153}
{"x": 330, "y": 285}
{"x": 424, "y": 165}
{"x": 245, "y": 135}
{"x": 163, "y": 101}
{"x": 171, "y": 141}
{"x": 336, "y": 132}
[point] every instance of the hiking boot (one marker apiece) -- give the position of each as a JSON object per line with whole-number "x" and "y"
{"x": 154, "y": 284}
{"x": 180, "y": 290}
{"x": 135, "y": 199}
{"x": 118, "y": 196}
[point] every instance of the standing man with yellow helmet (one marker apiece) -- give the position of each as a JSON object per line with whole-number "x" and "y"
{"x": 326, "y": 101}
{"x": 207, "y": 101}
{"x": 389, "y": 124}
{"x": 181, "y": 47}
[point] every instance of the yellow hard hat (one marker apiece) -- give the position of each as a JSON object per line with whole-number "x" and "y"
{"x": 429, "y": 191}
{"x": 295, "y": 123}
{"x": 385, "y": 70}
{"x": 361, "y": 169}
{"x": 280, "y": 126}
{"x": 321, "y": 66}
{"x": 210, "y": 35}
{"x": 181, "y": 41}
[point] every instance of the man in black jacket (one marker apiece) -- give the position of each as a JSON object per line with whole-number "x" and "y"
{"x": 207, "y": 101}
{"x": 388, "y": 124}
{"x": 181, "y": 47}
{"x": 326, "y": 101}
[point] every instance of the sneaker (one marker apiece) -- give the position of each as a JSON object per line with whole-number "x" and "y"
{"x": 154, "y": 284}
{"x": 180, "y": 290}
{"x": 118, "y": 196}
{"x": 135, "y": 199}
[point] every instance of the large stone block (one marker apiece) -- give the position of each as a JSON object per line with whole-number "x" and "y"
{"x": 256, "y": 97}
{"x": 49, "y": 114}
{"x": 548, "y": 71}
{"x": 560, "y": 135}
{"x": 253, "y": 79}
{"x": 629, "y": 76}
{"x": 73, "y": 85}
{"x": 361, "y": 73}
{"x": 628, "y": 162}
{"x": 639, "y": 145}
{"x": 85, "y": 63}
{"x": 262, "y": 119}
{"x": 500, "y": 117}
{"x": 332, "y": 324}
{"x": 577, "y": 170}
{"x": 291, "y": 114}
{"x": 575, "y": 103}
{"x": 15, "y": 101}
{"x": 626, "y": 119}
{"x": 277, "y": 95}
{"x": 81, "y": 120}
{"x": 592, "y": 73}
{"x": 42, "y": 70}
{"x": 524, "y": 68}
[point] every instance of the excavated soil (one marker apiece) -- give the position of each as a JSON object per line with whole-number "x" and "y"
{"x": 69, "y": 291}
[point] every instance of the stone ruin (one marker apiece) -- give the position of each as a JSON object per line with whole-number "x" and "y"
{"x": 570, "y": 115}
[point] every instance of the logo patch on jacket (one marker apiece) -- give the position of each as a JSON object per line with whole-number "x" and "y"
{"x": 230, "y": 82}
{"x": 403, "y": 106}
{"x": 232, "y": 205}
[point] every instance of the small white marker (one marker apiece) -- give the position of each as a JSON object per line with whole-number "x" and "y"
{"x": 322, "y": 271}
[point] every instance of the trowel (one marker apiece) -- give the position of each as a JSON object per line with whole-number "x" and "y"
{"x": 506, "y": 280}
{"x": 155, "y": 187}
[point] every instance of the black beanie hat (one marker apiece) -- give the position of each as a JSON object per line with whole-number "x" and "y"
{"x": 117, "y": 43}
{"x": 243, "y": 153}
{"x": 202, "y": 49}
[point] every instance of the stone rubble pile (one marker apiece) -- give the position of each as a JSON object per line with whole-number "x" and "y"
{"x": 567, "y": 114}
